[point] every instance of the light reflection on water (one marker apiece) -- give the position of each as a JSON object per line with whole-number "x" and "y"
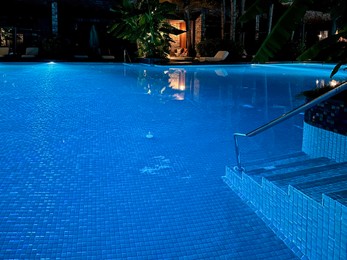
{"x": 246, "y": 96}
{"x": 183, "y": 79}
{"x": 238, "y": 98}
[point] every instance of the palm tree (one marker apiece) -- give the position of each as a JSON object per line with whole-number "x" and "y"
{"x": 334, "y": 47}
{"x": 233, "y": 17}
{"x": 281, "y": 32}
{"x": 144, "y": 22}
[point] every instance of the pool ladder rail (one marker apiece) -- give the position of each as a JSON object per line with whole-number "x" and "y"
{"x": 338, "y": 89}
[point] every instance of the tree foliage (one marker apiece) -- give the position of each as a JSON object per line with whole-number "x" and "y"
{"x": 281, "y": 32}
{"x": 333, "y": 48}
{"x": 144, "y": 22}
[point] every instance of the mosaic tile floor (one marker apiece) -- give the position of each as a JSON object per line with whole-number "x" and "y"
{"x": 80, "y": 180}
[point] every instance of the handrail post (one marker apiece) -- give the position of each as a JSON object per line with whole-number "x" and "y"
{"x": 237, "y": 152}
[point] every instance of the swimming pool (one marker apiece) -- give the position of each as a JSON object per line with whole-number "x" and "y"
{"x": 109, "y": 161}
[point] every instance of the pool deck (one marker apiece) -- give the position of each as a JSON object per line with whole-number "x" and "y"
{"x": 82, "y": 58}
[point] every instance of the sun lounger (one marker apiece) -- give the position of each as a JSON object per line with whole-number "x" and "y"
{"x": 220, "y": 56}
{"x": 31, "y": 52}
{"x": 180, "y": 58}
{"x": 4, "y": 51}
{"x": 107, "y": 57}
{"x": 81, "y": 56}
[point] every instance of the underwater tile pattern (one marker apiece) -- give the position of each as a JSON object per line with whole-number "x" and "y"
{"x": 80, "y": 179}
{"x": 329, "y": 115}
{"x": 334, "y": 144}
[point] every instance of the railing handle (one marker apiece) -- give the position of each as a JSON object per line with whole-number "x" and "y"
{"x": 338, "y": 89}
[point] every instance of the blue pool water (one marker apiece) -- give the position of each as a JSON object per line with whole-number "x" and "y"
{"x": 81, "y": 178}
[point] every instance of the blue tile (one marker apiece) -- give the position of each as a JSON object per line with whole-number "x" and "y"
{"x": 79, "y": 179}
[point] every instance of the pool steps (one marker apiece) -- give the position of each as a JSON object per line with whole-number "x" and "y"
{"x": 303, "y": 199}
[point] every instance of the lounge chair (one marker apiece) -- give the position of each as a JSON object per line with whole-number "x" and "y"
{"x": 81, "y": 56}
{"x": 31, "y": 52}
{"x": 180, "y": 54}
{"x": 4, "y": 51}
{"x": 220, "y": 56}
{"x": 107, "y": 55}
{"x": 180, "y": 58}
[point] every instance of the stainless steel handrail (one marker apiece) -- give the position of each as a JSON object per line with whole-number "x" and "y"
{"x": 341, "y": 87}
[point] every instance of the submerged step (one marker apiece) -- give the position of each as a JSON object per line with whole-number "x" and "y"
{"x": 298, "y": 196}
{"x": 315, "y": 189}
{"x": 309, "y": 175}
{"x": 278, "y": 160}
{"x": 340, "y": 196}
{"x": 277, "y": 171}
{"x": 289, "y": 166}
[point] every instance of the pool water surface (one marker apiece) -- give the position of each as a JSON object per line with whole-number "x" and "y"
{"x": 117, "y": 161}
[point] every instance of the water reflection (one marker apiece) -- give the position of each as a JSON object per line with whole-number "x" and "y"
{"x": 245, "y": 86}
{"x": 177, "y": 83}
{"x": 177, "y": 79}
{"x": 170, "y": 83}
{"x": 242, "y": 96}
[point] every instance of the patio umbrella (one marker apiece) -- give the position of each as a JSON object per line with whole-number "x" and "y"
{"x": 93, "y": 39}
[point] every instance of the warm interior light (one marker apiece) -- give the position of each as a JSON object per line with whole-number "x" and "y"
{"x": 333, "y": 83}
{"x": 178, "y": 80}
